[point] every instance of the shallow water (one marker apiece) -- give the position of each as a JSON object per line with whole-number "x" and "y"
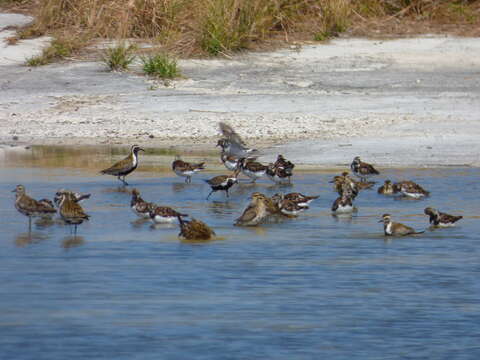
{"x": 306, "y": 288}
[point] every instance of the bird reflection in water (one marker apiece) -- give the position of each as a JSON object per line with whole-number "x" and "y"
{"x": 139, "y": 222}
{"x": 343, "y": 218}
{"x": 220, "y": 208}
{"x": 24, "y": 239}
{"x": 44, "y": 222}
{"x": 72, "y": 241}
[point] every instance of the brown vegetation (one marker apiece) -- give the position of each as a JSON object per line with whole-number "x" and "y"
{"x": 212, "y": 27}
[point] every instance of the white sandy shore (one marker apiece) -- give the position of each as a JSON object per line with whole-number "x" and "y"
{"x": 406, "y": 102}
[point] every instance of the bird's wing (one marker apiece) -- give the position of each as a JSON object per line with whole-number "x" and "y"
{"x": 248, "y": 215}
{"x": 230, "y": 134}
{"x": 118, "y": 167}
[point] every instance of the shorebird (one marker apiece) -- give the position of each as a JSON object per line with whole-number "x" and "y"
{"x": 194, "y": 230}
{"x": 439, "y": 219}
{"x": 290, "y": 208}
{"x": 299, "y": 198}
{"x": 230, "y": 162}
{"x": 411, "y": 189}
{"x": 396, "y": 229}
{"x": 71, "y": 211}
{"x": 31, "y": 207}
{"x": 232, "y": 144}
{"x": 343, "y": 204}
{"x": 278, "y": 175}
{"x": 253, "y": 169}
{"x": 78, "y": 197}
{"x": 185, "y": 169}
{"x": 125, "y": 166}
{"x": 362, "y": 169}
{"x": 344, "y": 181}
{"x": 256, "y": 212}
{"x": 163, "y": 214}
{"x": 139, "y": 206}
{"x": 222, "y": 182}
{"x": 388, "y": 188}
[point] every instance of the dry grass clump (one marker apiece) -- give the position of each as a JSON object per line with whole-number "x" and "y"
{"x": 60, "y": 48}
{"x": 213, "y": 27}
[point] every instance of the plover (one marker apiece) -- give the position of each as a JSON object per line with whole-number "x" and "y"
{"x": 194, "y": 230}
{"x": 222, "y": 182}
{"x": 253, "y": 169}
{"x": 362, "y": 169}
{"x": 255, "y": 213}
{"x": 387, "y": 188}
{"x": 439, "y": 219}
{"x": 31, "y": 207}
{"x": 411, "y": 189}
{"x": 124, "y": 167}
{"x": 140, "y": 207}
{"x": 71, "y": 211}
{"x": 185, "y": 169}
{"x": 163, "y": 214}
{"x": 396, "y": 229}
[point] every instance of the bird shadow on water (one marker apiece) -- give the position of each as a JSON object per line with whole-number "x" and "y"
{"x": 72, "y": 241}
{"x": 179, "y": 187}
{"x": 28, "y": 238}
{"x": 118, "y": 189}
{"x": 139, "y": 222}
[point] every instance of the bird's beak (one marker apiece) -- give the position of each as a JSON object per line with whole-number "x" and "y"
{"x": 141, "y": 149}
{"x": 380, "y": 221}
{"x": 14, "y": 190}
{"x": 331, "y": 182}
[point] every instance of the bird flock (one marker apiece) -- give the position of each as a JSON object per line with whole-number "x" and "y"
{"x": 238, "y": 158}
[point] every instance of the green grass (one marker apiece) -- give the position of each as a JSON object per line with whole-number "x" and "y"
{"x": 161, "y": 65}
{"x": 60, "y": 48}
{"x": 119, "y": 57}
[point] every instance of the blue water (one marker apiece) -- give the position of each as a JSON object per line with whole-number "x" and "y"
{"x": 315, "y": 287}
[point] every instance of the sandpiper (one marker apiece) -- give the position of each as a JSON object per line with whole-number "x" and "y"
{"x": 253, "y": 169}
{"x": 362, "y": 169}
{"x": 195, "y": 230}
{"x": 343, "y": 204}
{"x": 139, "y": 206}
{"x": 439, "y": 219}
{"x": 232, "y": 144}
{"x": 387, "y": 188}
{"x": 126, "y": 166}
{"x": 31, "y": 207}
{"x": 185, "y": 169}
{"x": 163, "y": 214}
{"x": 411, "y": 189}
{"x": 71, "y": 211}
{"x": 255, "y": 213}
{"x": 396, "y": 229}
{"x": 222, "y": 182}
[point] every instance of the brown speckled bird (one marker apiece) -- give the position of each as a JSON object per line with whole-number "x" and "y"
{"x": 222, "y": 182}
{"x": 411, "y": 189}
{"x": 31, "y": 207}
{"x": 139, "y": 206}
{"x": 194, "y": 230}
{"x": 362, "y": 169}
{"x": 253, "y": 169}
{"x": 71, "y": 211}
{"x": 387, "y": 188}
{"x": 186, "y": 169}
{"x": 439, "y": 219}
{"x": 124, "y": 167}
{"x": 257, "y": 211}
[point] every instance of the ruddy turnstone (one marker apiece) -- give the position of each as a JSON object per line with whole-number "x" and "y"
{"x": 222, "y": 182}
{"x": 387, "y": 188}
{"x": 300, "y": 199}
{"x": 439, "y": 219}
{"x": 411, "y": 189}
{"x": 253, "y": 169}
{"x": 71, "y": 211}
{"x": 124, "y": 167}
{"x": 230, "y": 162}
{"x": 185, "y": 169}
{"x": 343, "y": 204}
{"x": 344, "y": 181}
{"x": 278, "y": 175}
{"x": 195, "y": 230}
{"x": 255, "y": 213}
{"x": 362, "y": 169}
{"x": 139, "y": 206}
{"x": 163, "y": 214}
{"x": 232, "y": 144}
{"x": 290, "y": 208}
{"x": 31, "y": 207}
{"x": 396, "y": 229}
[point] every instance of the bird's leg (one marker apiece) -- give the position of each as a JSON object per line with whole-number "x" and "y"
{"x": 226, "y": 191}
{"x": 126, "y": 184}
{"x": 29, "y": 224}
{"x": 210, "y": 194}
{"x": 189, "y": 179}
